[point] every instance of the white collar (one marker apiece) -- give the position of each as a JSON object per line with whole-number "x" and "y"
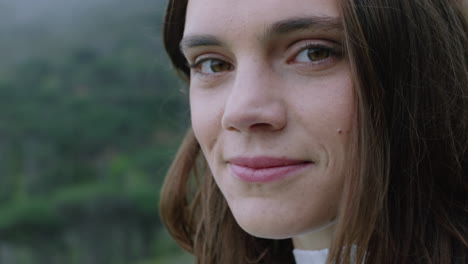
{"x": 310, "y": 256}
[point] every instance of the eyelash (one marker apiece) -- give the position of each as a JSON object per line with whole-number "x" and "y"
{"x": 334, "y": 53}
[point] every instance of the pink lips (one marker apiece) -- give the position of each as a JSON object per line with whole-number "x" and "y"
{"x": 265, "y": 169}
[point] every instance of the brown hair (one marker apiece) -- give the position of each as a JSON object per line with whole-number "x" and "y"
{"x": 406, "y": 200}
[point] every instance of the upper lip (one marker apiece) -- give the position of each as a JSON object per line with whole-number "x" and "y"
{"x": 264, "y": 162}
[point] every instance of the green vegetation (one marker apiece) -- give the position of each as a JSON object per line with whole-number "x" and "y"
{"x": 90, "y": 117}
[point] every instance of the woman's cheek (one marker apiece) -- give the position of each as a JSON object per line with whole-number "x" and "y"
{"x": 206, "y": 113}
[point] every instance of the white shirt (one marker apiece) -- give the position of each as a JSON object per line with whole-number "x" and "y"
{"x": 310, "y": 256}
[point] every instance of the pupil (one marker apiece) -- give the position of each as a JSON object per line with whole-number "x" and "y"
{"x": 318, "y": 54}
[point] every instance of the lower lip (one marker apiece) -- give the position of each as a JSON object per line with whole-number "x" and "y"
{"x": 267, "y": 174}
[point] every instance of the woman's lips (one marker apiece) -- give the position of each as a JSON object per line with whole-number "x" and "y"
{"x": 265, "y": 169}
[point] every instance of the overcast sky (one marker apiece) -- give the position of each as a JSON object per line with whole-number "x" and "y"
{"x": 31, "y": 26}
{"x": 34, "y": 11}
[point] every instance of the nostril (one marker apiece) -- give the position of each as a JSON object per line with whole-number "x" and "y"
{"x": 252, "y": 127}
{"x": 261, "y": 126}
{"x": 231, "y": 128}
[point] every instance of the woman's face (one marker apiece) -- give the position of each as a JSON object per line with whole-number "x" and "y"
{"x": 272, "y": 108}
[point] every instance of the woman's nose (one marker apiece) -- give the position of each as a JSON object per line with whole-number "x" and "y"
{"x": 254, "y": 103}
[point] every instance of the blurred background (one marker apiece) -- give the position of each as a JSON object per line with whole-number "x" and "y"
{"x": 91, "y": 114}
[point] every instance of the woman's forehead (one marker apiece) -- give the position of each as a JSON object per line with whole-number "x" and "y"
{"x": 241, "y": 16}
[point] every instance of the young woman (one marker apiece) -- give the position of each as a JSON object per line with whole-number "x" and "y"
{"x": 334, "y": 129}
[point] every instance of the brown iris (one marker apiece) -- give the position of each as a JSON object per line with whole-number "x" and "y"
{"x": 318, "y": 54}
{"x": 219, "y": 66}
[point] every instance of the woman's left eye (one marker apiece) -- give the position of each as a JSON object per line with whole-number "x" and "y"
{"x": 313, "y": 54}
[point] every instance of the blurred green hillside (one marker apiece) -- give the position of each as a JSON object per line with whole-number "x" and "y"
{"x": 90, "y": 117}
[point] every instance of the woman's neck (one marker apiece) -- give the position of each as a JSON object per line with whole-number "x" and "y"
{"x": 315, "y": 240}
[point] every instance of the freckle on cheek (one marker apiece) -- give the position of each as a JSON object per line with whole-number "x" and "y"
{"x": 340, "y": 131}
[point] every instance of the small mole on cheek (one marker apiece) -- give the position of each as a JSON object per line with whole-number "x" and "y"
{"x": 340, "y": 131}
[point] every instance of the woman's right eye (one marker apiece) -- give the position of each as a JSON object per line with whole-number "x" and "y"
{"x": 211, "y": 66}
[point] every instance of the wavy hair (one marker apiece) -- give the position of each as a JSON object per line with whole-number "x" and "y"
{"x": 406, "y": 198}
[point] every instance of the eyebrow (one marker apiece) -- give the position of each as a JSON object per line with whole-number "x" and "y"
{"x": 199, "y": 41}
{"x": 315, "y": 23}
{"x": 282, "y": 27}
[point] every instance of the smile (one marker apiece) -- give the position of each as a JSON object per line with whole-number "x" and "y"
{"x": 265, "y": 169}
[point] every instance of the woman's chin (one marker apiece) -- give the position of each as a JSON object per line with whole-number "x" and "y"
{"x": 278, "y": 223}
